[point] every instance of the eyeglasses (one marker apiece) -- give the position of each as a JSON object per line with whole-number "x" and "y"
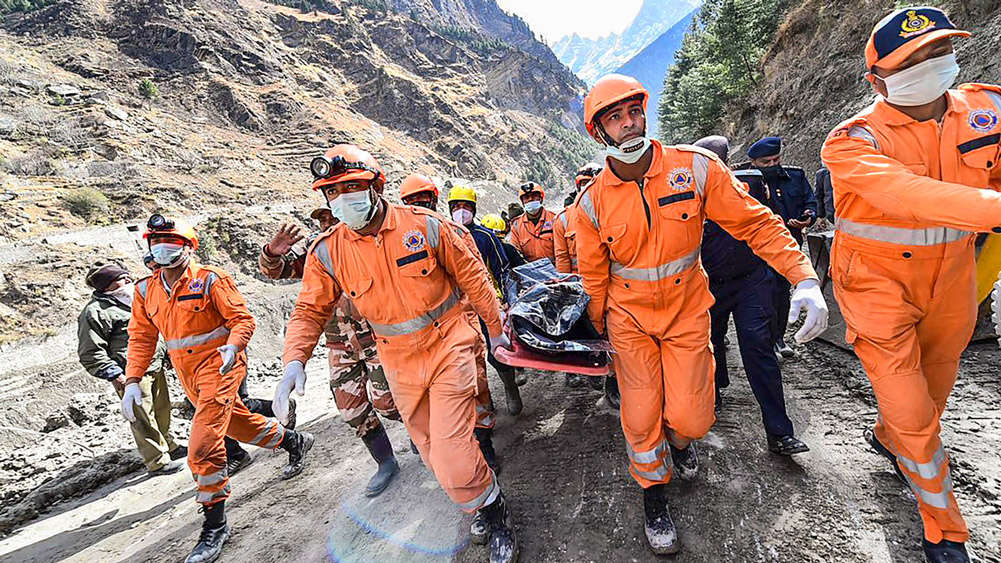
{"x": 325, "y": 168}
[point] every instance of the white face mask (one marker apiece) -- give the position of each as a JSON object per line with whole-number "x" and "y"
{"x": 124, "y": 294}
{"x": 629, "y": 152}
{"x": 533, "y": 207}
{"x": 354, "y": 209}
{"x": 462, "y": 216}
{"x": 923, "y": 83}
{"x": 168, "y": 254}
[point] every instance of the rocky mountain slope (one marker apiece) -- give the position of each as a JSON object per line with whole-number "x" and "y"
{"x": 592, "y": 58}
{"x": 248, "y": 92}
{"x": 651, "y": 64}
{"x": 814, "y": 71}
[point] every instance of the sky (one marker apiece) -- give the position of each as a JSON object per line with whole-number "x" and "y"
{"x": 588, "y": 18}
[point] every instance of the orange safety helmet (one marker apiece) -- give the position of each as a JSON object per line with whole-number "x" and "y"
{"x": 343, "y": 163}
{"x": 417, "y": 183}
{"x": 608, "y": 91}
{"x": 160, "y": 225}
{"x": 529, "y": 187}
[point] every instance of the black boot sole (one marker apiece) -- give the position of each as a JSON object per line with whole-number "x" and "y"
{"x": 789, "y": 452}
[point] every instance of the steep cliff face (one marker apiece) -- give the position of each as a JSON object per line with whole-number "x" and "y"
{"x": 240, "y": 94}
{"x": 814, "y": 71}
{"x": 592, "y": 58}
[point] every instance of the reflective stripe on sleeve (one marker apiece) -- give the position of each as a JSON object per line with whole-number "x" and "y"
{"x": 198, "y": 339}
{"x": 700, "y": 168}
{"x": 322, "y": 253}
{"x": 434, "y": 231}
{"x": 414, "y": 325}
{"x": 657, "y": 273}
{"x": 141, "y": 286}
{"x": 859, "y": 132}
{"x": 896, "y": 235}
{"x": 587, "y": 205}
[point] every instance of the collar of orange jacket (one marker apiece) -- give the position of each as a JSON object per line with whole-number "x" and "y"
{"x": 656, "y": 165}
{"x": 889, "y": 115}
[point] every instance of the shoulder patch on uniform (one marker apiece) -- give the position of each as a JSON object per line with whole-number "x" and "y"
{"x": 983, "y": 120}
{"x": 414, "y": 240}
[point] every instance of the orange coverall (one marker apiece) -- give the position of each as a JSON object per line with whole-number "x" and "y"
{"x": 638, "y": 247}
{"x": 534, "y": 240}
{"x": 200, "y": 312}
{"x": 565, "y": 243}
{"x": 909, "y": 196}
{"x": 408, "y": 281}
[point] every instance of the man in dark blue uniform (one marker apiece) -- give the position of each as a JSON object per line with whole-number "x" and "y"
{"x": 743, "y": 286}
{"x": 790, "y": 196}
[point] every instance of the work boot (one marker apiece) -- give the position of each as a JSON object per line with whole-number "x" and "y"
{"x": 718, "y": 407}
{"x": 485, "y": 437}
{"x": 413, "y": 448}
{"x": 882, "y": 450}
{"x": 520, "y": 378}
{"x": 786, "y": 445}
{"x": 511, "y": 392}
{"x": 297, "y": 444}
{"x": 503, "y": 541}
{"x": 574, "y": 380}
{"x": 169, "y": 468}
{"x": 479, "y": 528}
{"x": 945, "y": 551}
{"x": 180, "y": 452}
{"x": 660, "y": 531}
{"x": 238, "y": 461}
{"x": 291, "y": 414}
{"x": 612, "y": 391}
{"x": 686, "y": 462}
{"x": 377, "y": 442}
{"x": 215, "y": 531}
{"x": 784, "y": 350}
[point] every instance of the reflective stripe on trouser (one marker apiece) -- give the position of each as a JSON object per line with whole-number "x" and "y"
{"x": 433, "y": 378}
{"x": 198, "y": 339}
{"x": 909, "y": 330}
{"x": 219, "y": 412}
{"x": 665, "y": 374}
{"x": 360, "y": 391}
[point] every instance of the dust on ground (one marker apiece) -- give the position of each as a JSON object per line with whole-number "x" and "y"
{"x": 565, "y": 476}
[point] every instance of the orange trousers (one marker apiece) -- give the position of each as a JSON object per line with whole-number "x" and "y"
{"x": 665, "y": 368}
{"x": 910, "y": 318}
{"x": 219, "y": 412}
{"x": 433, "y": 376}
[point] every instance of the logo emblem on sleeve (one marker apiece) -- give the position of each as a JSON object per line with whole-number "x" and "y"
{"x": 915, "y": 24}
{"x": 196, "y": 285}
{"x": 680, "y": 179}
{"x": 414, "y": 240}
{"x": 983, "y": 120}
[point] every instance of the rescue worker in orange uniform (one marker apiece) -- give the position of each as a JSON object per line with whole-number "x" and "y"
{"x": 407, "y": 271}
{"x": 420, "y": 190}
{"x": 532, "y": 233}
{"x": 357, "y": 380}
{"x": 206, "y": 326}
{"x": 639, "y": 227}
{"x": 915, "y": 176}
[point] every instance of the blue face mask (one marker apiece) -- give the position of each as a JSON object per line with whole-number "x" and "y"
{"x": 354, "y": 209}
{"x": 533, "y": 207}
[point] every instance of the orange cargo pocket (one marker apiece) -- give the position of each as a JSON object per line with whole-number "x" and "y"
{"x": 684, "y": 218}
{"x": 984, "y": 158}
{"x": 621, "y": 248}
{"x": 355, "y": 289}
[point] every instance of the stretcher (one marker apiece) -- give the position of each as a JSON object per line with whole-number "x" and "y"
{"x": 548, "y": 325}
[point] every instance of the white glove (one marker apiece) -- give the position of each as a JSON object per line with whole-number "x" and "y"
{"x": 295, "y": 377}
{"x": 131, "y": 396}
{"x": 501, "y": 341}
{"x": 808, "y": 296}
{"x": 228, "y": 353}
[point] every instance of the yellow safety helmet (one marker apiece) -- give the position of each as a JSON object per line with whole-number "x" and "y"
{"x": 461, "y": 192}
{"x": 494, "y": 222}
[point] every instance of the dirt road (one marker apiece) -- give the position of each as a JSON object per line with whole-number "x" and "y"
{"x": 565, "y": 477}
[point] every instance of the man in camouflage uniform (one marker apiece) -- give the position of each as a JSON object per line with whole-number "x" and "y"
{"x": 356, "y": 377}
